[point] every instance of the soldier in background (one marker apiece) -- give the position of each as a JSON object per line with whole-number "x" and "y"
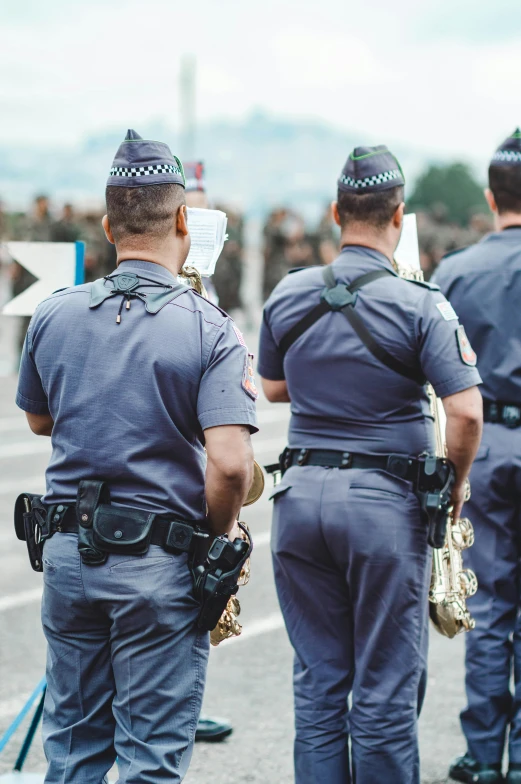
{"x": 100, "y": 257}
{"x": 227, "y": 277}
{"x": 66, "y": 229}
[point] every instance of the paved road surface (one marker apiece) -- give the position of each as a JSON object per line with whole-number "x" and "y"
{"x": 249, "y": 680}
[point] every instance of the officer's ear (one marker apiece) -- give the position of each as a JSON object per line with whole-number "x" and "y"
{"x": 489, "y": 196}
{"x": 334, "y": 211}
{"x": 182, "y": 221}
{"x": 398, "y": 216}
{"x": 106, "y": 228}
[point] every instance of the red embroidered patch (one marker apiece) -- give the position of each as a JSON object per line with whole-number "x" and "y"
{"x": 467, "y": 353}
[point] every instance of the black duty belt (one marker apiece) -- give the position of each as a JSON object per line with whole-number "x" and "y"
{"x": 401, "y": 466}
{"x": 68, "y": 524}
{"x": 506, "y": 414}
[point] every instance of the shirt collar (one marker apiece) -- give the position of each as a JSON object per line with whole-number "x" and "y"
{"x": 148, "y": 269}
{"x": 362, "y": 252}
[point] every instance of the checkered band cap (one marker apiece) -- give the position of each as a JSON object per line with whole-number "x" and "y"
{"x": 141, "y": 162}
{"x": 370, "y": 182}
{"x": 369, "y": 170}
{"x": 509, "y": 152}
{"x": 144, "y": 171}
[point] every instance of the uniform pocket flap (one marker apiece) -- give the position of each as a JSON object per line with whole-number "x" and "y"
{"x": 482, "y": 452}
{"x": 279, "y": 490}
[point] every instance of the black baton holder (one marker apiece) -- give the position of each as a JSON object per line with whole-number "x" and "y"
{"x": 434, "y": 491}
{"x": 91, "y": 493}
{"x": 30, "y": 524}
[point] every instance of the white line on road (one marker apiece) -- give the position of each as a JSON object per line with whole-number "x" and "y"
{"x": 275, "y": 414}
{"x": 25, "y": 448}
{"x": 8, "y": 424}
{"x": 31, "y": 484}
{"x": 20, "y": 599}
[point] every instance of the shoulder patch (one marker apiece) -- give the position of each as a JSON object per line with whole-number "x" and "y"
{"x": 467, "y": 353}
{"x": 248, "y": 377}
{"x": 447, "y": 311}
{"x": 426, "y": 284}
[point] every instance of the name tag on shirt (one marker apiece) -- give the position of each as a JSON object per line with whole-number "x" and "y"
{"x": 447, "y": 311}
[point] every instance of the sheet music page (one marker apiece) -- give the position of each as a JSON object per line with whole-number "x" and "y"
{"x": 208, "y": 233}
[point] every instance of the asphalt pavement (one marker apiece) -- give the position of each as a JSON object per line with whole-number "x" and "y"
{"x": 249, "y": 679}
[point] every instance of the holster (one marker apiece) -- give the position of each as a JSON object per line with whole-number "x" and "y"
{"x": 104, "y": 529}
{"x": 216, "y": 570}
{"x": 436, "y": 479}
{"x": 31, "y": 526}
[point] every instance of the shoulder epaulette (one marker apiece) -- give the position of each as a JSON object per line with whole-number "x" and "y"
{"x": 296, "y": 269}
{"x": 63, "y": 289}
{"x": 425, "y": 283}
{"x": 224, "y": 313}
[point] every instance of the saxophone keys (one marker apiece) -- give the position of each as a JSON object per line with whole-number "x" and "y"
{"x": 468, "y": 582}
{"x": 462, "y": 534}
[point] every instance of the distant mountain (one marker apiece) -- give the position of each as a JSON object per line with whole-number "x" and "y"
{"x": 256, "y": 163}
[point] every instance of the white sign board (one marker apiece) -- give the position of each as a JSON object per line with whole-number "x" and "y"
{"x": 57, "y": 265}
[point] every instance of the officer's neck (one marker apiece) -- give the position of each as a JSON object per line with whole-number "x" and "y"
{"x": 507, "y": 220}
{"x": 167, "y": 255}
{"x": 383, "y": 241}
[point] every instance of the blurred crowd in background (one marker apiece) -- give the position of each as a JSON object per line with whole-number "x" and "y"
{"x": 449, "y": 204}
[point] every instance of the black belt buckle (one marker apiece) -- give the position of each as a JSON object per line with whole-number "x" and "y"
{"x": 400, "y": 466}
{"x": 511, "y": 416}
{"x": 179, "y": 537}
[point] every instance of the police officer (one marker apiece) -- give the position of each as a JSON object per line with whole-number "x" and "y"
{"x": 483, "y": 283}
{"x": 350, "y": 551}
{"x": 131, "y": 376}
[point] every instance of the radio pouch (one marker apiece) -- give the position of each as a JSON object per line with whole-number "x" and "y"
{"x": 122, "y": 530}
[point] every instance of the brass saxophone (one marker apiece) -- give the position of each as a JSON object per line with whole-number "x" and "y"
{"x": 451, "y": 583}
{"x": 228, "y": 625}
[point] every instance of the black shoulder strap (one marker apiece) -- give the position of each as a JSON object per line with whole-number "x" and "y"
{"x": 339, "y": 297}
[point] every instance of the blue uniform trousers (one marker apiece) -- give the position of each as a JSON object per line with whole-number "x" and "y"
{"x": 126, "y": 666}
{"x": 352, "y": 568}
{"x": 493, "y": 649}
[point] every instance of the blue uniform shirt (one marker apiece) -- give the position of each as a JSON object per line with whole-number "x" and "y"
{"x": 483, "y": 283}
{"x": 130, "y": 401}
{"x": 342, "y": 397}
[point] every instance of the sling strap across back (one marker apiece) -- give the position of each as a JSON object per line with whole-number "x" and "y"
{"x": 337, "y": 297}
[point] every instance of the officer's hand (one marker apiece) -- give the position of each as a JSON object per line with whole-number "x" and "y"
{"x": 458, "y": 499}
{"x": 235, "y": 533}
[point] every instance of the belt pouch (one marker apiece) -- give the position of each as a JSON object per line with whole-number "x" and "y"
{"x": 434, "y": 490}
{"x": 91, "y": 493}
{"x": 122, "y": 529}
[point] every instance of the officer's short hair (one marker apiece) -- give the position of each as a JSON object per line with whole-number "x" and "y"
{"x": 146, "y": 210}
{"x": 505, "y": 184}
{"x": 375, "y": 209}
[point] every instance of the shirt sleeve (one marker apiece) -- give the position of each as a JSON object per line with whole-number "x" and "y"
{"x": 227, "y": 392}
{"x": 446, "y": 364}
{"x": 271, "y": 360}
{"x": 30, "y": 395}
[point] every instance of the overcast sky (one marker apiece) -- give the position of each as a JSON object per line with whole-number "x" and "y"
{"x": 442, "y": 76}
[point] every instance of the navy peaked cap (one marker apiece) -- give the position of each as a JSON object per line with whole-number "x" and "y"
{"x": 509, "y": 152}
{"x": 141, "y": 162}
{"x": 194, "y": 176}
{"x": 370, "y": 169}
